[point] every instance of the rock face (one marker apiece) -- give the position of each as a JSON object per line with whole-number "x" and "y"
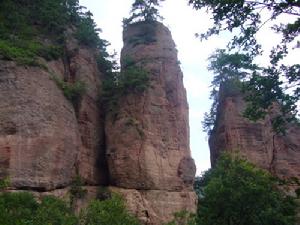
{"x": 148, "y": 136}
{"x": 256, "y": 141}
{"x": 141, "y": 151}
{"x": 38, "y": 131}
{"x": 43, "y": 139}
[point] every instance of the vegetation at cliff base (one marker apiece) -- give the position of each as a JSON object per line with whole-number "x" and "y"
{"x": 109, "y": 212}
{"x": 22, "y": 208}
{"x": 276, "y": 82}
{"x": 237, "y": 192}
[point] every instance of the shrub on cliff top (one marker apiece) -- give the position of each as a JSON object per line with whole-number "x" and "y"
{"x": 236, "y": 192}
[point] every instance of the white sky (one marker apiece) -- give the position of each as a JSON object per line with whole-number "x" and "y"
{"x": 184, "y": 22}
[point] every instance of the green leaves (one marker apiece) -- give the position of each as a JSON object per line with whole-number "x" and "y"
{"x": 276, "y": 83}
{"x": 143, "y": 10}
{"x": 236, "y": 192}
{"x": 22, "y": 209}
{"x": 109, "y": 212}
{"x": 132, "y": 79}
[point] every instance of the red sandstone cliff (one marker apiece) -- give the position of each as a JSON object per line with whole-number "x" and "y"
{"x": 45, "y": 140}
{"x": 256, "y": 141}
{"x": 151, "y": 154}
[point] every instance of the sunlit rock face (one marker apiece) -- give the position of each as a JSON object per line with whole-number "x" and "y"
{"x": 147, "y": 137}
{"x": 140, "y": 151}
{"x": 256, "y": 141}
{"x": 44, "y": 139}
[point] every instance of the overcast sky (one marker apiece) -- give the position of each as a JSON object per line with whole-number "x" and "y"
{"x": 183, "y": 22}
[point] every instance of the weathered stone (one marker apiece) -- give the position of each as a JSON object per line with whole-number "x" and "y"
{"x": 38, "y": 129}
{"x": 148, "y": 140}
{"x": 154, "y": 207}
{"x": 91, "y": 162}
{"x": 44, "y": 139}
{"x": 256, "y": 141}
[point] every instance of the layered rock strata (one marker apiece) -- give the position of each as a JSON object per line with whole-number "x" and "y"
{"x": 148, "y": 136}
{"x": 256, "y": 141}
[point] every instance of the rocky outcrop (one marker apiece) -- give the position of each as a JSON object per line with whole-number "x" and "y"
{"x": 256, "y": 141}
{"x": 141, "y": 150}
{"x": 44, "y": 140}
{"x": 38, "y": 131}
{"x": 148, "y": 136}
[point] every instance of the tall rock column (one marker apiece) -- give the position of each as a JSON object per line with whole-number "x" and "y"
{"x": 147, "y": 136}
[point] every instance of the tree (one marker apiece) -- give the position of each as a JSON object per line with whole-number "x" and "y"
{"x": 277, "y": 82}
{"x": 236, "y": 192}
{"x": 144, "y": 10}
{"x": 229, "y": 70}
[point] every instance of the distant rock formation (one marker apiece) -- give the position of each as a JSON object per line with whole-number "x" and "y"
{"x": 256, "y": 141}
{"x": 142, "y": 153}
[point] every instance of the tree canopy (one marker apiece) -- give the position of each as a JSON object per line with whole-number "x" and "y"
{"x": 278, "y": 81}
{"x": 236, "y": 192}
{"x": 144, "y": 10}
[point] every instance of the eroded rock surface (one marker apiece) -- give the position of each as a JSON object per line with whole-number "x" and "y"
{"x": 148, "y": 140}
{"x": 44, "y": 139}
{"x": 256, "y": 141}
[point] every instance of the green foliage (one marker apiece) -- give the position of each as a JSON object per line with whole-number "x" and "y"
{"x": 278, "y": 82}
{"x": 4, "y": 183}
{"x": 72, "y": 91}
{"x": 183, "y": 218}
{"x": 22, "y": 209}
{"x": 87, "y": 31}
{"x": 229, "y": 72}
{"x": 31, "y": 30}
{"x": 76, "y": 190}
{"x": 143, "y": 10}
{"x": 54, "y": 211}
{"x": 110, "y": 212}
{"x": 132, "y": 79}
{"x": 236, "y": 192}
